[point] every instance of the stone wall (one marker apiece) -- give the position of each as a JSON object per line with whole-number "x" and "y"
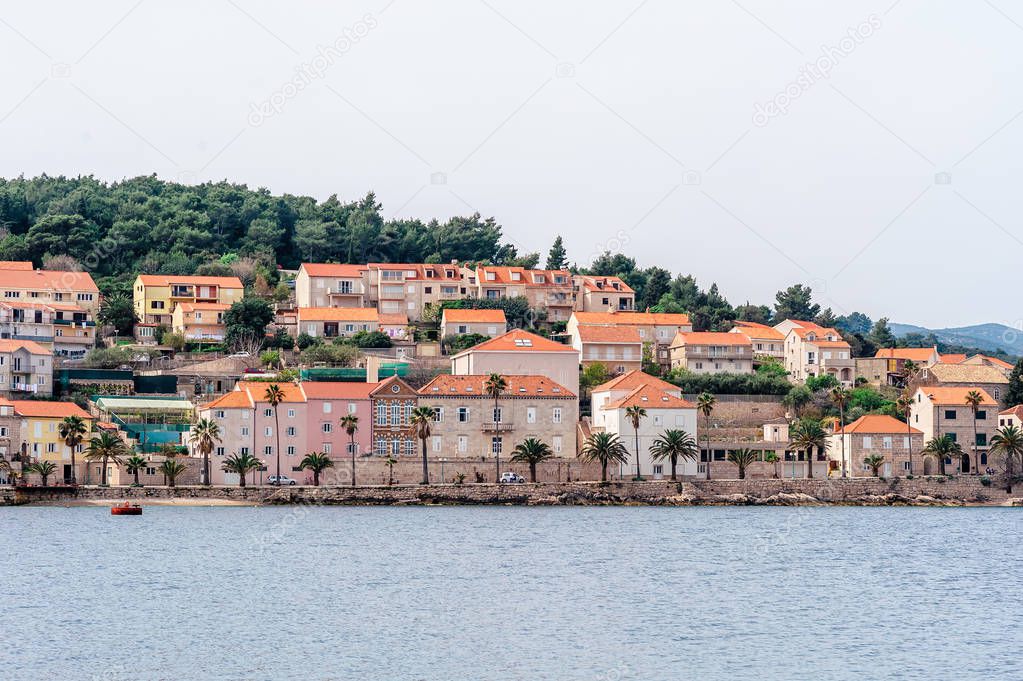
{"x": 854, "y": 491}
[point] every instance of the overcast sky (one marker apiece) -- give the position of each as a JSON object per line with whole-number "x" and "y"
{"x": 868, "y": 149}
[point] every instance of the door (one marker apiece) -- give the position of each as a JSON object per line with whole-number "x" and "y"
{"x": 887, "y": 470}
{"x": 67, "y": 472}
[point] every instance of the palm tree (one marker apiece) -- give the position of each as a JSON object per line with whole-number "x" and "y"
{"x": 974, "y": 400}
{"x": 904, "y": 406}
{"x": 72, "y": 430}
{"x": 532, "y": 451}
{"x": 942, "y": 447}
{"x": 772, "y": 458}
{"x": 635, "y": 414}
{"x": 1008, "y": 441}
{"x": 840, "y": 396}
{"x": 171, "y": 469}
{"x": 422, "y": 417}
{"x": 44, "y": 468}
{"x": 206, "y": 434}
{"x": 605, "y": 448}
{"x": 389, "y": 462}
{"x": 674, "y": 445}
{"x": 350, "y": 422}
{"x": 242, "y": 464}
{"x": 875, "y": 461}
{"x": 133, "y": 465}
{"x": 494, "y": 386}
{"x": 705, "y": 404}
{"x": 742, "y": 458}
{"x": 106, "y": 447}
{"x": 274, "y": 396}
{"x": 317, "y": 462}
{"x": 808, "y": 434}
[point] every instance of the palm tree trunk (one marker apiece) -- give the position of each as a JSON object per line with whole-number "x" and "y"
{"x": 205, "y": 467}
{"x": 532, "y": 471}
{"x": 809, "y": 463}
{"x": 909, "y": 434}
{"x": 316, "y": 478}
{"x": 74, "y": 477}
{"x": 352, "y": 436}
{"x": 635, "y": 427}
{"x": 841, "y": 423}
{"x": 976, "y": 454}
{"x": 603, "y": 471}
{"x": 170, "y": 480}
{"x": 426, "y": 470}
{"x": 497, "y": 433}
{"x": 277, "y": 432}
{"x": 136, "y": 477}
{"x": 742, "y": 472}
{"x": 673, "y": 461}
{"x": 706, "y": 440}
{"x": 104, "y": 478}
{"x": 241, "y": 478}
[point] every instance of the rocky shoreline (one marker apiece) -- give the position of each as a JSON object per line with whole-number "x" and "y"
{"x": 921, "y": 491}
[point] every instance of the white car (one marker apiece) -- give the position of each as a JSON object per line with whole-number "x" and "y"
{"x": 282, "y": 480}
{"x": 508, "y": 476}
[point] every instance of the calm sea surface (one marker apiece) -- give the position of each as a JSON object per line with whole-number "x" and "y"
{"x": 604, "y": 594}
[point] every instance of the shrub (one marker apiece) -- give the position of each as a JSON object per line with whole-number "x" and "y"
{"x": 985, "y": 480}
{"x": 730, "y": 384}
{"x": 306, "y": 341}
{"x": 457, "y": 342}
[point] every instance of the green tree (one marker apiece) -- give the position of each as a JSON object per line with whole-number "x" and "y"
{"x": 106, "y": 447}
{"x": 875, "y": 461}
{"x": 973, "y": 400}
{"x": 557, "y": 257}
{"x": 881, "y": 335}
{"x": 675, "y": 445}
{"x": 171, "y": 469}
{"x": 118, "y": 311}
{"x": 798, "y": 397}
{"x": 495, "y": 385}
{"x": 72, "y": 431}
{"x": 206, "y": 436}
{"x": 604, "y": 448}
{"x": 134, "y": 465}
{"x": 422, "y": 417}
{"x": 742, "y": 458}
{"x": 371, "y": 339}
{"x": 350, "y": 423}
{"x": 841, "y": 396}
{"x": 808, "y": 435}
{"x": 274, "y": 395}
{"x": 455, "y": 343}
{"x": 531, "y": 451}
{"x": 44, "y": 468}
{"x": 634, "y": 414}
{"x": 317, "y": 462}
{"x": 1014, "y": 392}
{"x": 795, "y": 302}
{"x": 904, "y": 407}
{"x": 942, "y": 447}
{"x": 772, "y": 458}
{"x": 1008, "y": 443}
{"x": 242, "y": 464}
{"x": 247, "y": 319}
{"x": 705, "y": 405}
{"x": 658, "y": 282}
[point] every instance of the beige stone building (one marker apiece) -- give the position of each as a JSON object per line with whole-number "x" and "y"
{"x": 409, "y": 288}
{"x": 881, "y": 435}
{"x": 619, "y": 348}
{"x": 64, "y": 328}
{"x": 600, "y": 294}
{"x": 712, "y": 353}
{"x": 985, "y": 360}
{"x": 49, "y": 286}
{"x": 991, "y": 379}
{"x": 26, "y": 369}
{"x": 332, "y": 285}
{"x": 943, "y": 411}
{"x": 656, "y": 330}
{"x": 458, "y": 322}
{"x": 1013, "y": 416}
{"x": 765, "y": 341}
{"x": 812, "y": 350}
{"x": 466, "y": 422}
{"x": 335, "y": 322}
{"x": 548, "y": 289}
{"x": 520, "y": 353}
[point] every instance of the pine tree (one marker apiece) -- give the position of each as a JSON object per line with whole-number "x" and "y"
{"x": 1014, "y": 395}
{"x": 556, "y": 258}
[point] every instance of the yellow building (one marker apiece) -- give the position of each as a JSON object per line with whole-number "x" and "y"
{"x": 39, "y": 434}
{"x": 156, "y": 297}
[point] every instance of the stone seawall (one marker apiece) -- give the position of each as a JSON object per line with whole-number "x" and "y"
{"x": 936, "y": 491}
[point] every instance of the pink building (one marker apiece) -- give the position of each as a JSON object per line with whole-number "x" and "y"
{"x": 309, "y": 419}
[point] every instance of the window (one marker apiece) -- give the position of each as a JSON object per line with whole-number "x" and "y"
{"x": 290, "y": 431}
{"x": 556, "y": 415}
{"x": 352, "y": 407}
{"x": 531, "y": 415}
{"x": 291, "y": 413}
{"x": 463, "y": 443}
{"x": 381, "y": 414}
{"x": 905, "y": 466}
{"x": 658, "y": 470}
{"x": 268, "y": 412}
{"x": 268, "y": 450}
{"x": 290, "y": 450}
{"x": 244, "y": 450}
{"x": 953, "y": 436}
{"x": 496, "y": 444}
{"x": 245, "y": 431}
{"x": 380, "y": 447}
{"x": 981, "y": 415}
{"x": 867, "y": 442}
{"x": 410, "y": 448}
{"x": 436, "y": 441}
{"x": 438, "y": 414}
{"x": 557, "y": 444}
{"x": 327, "y": 407}
{"x": 886, "y": 442}
{"x": 220, "y": 451}
{"x": 219, "y": 414}
{"x": 497, "y": 414}
{"x": 326, "y": 448}
{"x": 268, "y": 431}
{"x": 463, "y": 414}
{"x": 905, "y": 442}
{"x": 352, "y": 448}
{"x": 395, "y": 414}
{"x": 950, "y": 414}
{"x": 327, "y": 427}
{"x": 657, "y": 419}
{"x": 981, "y": 439}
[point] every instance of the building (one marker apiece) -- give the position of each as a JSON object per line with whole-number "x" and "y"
{"x": 337, "y": 322}
{"x": 458, "y": 322}
{"x": 410, "y": 288}
{"x": 921, "y": 357}
{"x": 766, "y": 341}
{"x": 989, "y": 378}
{"x": 26, "y": 367}
{"x": 156, "y": 295}
{"x": 199, "y": 322}
{"x": 619, "y": 348}
{"x": 309, "y": 420}
{"x": 600, "y": 294}
{"x": 989, "y": 361}
{"x": 392, "y": 402}
{"x": 1013, "y": 416}
{"x": 39, "y": 438}
{"x": 881, "y": 435}
{"x": 548, "y": 289}
{"x": 332, "y": 285}
{"x": 812, "y": 350}
{"x": 148, "y": 422}
{"x": 521, "y": 353}
{"x": 468, "y": 424}
{"x": 712, "y": 353}
{"x": 944, "y": 411}
{"x": 65, "y": 329}
{"x": 656, "y": 330}
{"x": 50, "y": 286}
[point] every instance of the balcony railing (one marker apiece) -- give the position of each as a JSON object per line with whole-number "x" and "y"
{"x": 490, "y": 426}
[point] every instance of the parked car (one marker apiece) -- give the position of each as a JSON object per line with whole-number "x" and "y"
{"x": 282, "y": 480}
{"x": 508, "y": 476}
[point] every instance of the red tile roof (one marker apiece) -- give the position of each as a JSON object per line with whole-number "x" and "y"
{"x": 518, "y": 386}
{"x": 33, "y": 347}
{"x": 47, "y": 280}
{"x": 1016, "y": 411}
{"x": 949, "y": 396}
{"x": 877, "y": 424}
{"x": 337, "y": 390}
{"x": 914, "y": 354}
{"x": 632, "y": 318}
{"x": 518, "y": 340}
{"x": 462, "y": 316}
{"x": 609, "y": 334}
{"x": 439, "y": 272}
{"x": 710, "y": 338}
{"x": 325, "y": 269}
{"x": 649, "y": 397}
{"x": 954, "y": 358}
{"x": 633, "y": 379}
{"x": 15, "y": 265}
{"x": 44, "y": 409}
{"x": 758, "y": 331}
{"x": 190, "y": 280}
{"x": 593, "y": 284}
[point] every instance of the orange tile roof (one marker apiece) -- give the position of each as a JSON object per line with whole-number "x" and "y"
{"x": 710, "y": 338}
{"x": 804, "y": 331}
{"x": 43, "y": 409}
{"x": 877, "y": 424}
{"x": 338, "y": 314}
{"x": 758, "y": 331}
{"x": 439, "y": 272}
{"x": 393, "y": 319}
{"x": 190, "y": 280}
{"x": 47, "y": 280}
{"x": 914, "y": 354}
{"x": 337, "y": 390}
{"x": 461, "y": 316}
{"x": 633, "y": 379}
{"x": 212, "y": 307}
{"x": 994, "y": 360}
{"x": 1016, "y": 411}
{"x": 518, "y": 386}
{"x": 257, "y": 390}
{"x": 955, "y": 396}
{"x": 33, "y": 347}
{"x": 632, "y": 318}
{"x": 649, "y": 397}
{"x": 506, "y": 275}
{"x": 233, "y": 400}
{"x": 16, "y": 265}
{"x": 518, "y": 340}
{"x": 830, "y": 344}
{"x": 329, "y": 269}
{"x": 591, "y": 283}
{"x": 954, "y": 358}
{"x": 609, "y": 334}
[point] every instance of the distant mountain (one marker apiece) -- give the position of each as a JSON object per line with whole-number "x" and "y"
{"x": 987, "y": 337}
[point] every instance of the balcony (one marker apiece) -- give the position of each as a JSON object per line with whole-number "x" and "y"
{"x": 502, "y": 426}
{"x": 74, "y": 323}
{"x": 24, "y": 387}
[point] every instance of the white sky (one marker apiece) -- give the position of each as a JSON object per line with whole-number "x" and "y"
{"x": 643, "y": 137}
